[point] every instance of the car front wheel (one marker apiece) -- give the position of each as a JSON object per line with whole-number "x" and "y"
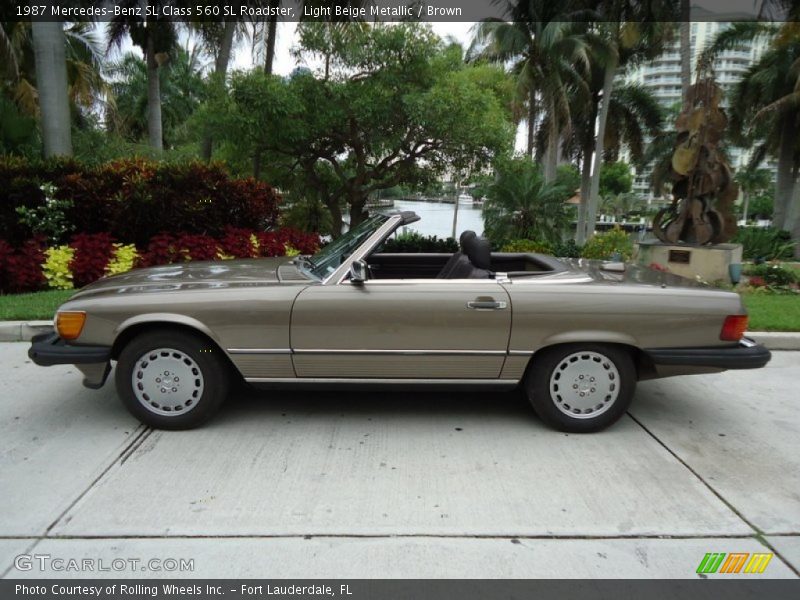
{"x": 581, "y": 388}
{"x": 171, "y": 379}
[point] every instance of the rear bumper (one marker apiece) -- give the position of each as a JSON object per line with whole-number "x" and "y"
{"x": 48, "y": 349}
{"x": 747, "y": 355}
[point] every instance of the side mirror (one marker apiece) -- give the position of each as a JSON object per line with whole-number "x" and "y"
{"x": 358, "y": 272}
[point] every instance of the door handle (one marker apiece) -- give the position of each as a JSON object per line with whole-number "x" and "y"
{"x": 486, "y": 304}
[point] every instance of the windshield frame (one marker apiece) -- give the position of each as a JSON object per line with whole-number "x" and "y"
{"x": 381, "y": 232}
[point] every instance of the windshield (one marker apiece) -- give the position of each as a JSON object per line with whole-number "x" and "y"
{"x": 327, "y": 260}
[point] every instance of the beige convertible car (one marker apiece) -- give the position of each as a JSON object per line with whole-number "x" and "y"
{"x": 576, "y": 335}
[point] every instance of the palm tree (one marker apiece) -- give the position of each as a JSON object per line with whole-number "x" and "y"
{"x": 752, "y": 181}
{"x": 51, "y": 83}
{"x": 83, "y": 58}
{"x": 218, "y": 39}
{"x": 763, "y": 105}
{"x": 686, "y": 46}
{"x": 620, "y": 205}
{"x": 636, "y": 32}
{"x": 548, "y": 54}
{"x": 156, "y": 38}
{"x": 181, "y": 86}
{"x": 521, "y": 204}
{"x": 635, "y": 115}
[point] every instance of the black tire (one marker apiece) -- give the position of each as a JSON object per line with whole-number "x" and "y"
{"x": 194, "y": 401}
{"x": 567, "y": 360}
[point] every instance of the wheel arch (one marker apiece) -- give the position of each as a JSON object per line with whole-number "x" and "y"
{"x": 644, "y": 366}
{"x": 134, "y": 327}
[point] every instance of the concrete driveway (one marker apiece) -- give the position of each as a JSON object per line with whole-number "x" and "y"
{"x": 364, "y": 484}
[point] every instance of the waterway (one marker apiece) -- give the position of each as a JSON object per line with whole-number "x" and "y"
{"x": 437, "y": 218}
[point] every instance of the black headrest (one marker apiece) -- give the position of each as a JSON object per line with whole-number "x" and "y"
{"x": 464, "y": 237}
{"x": 479, "y": 252}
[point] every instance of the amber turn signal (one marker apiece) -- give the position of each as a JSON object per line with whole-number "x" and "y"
{"x": 70, "y": 324}
{"x": 733, "y": 328}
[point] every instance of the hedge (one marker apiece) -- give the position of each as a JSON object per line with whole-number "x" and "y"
{"x": 33, "y": 266}
{"x": 132, "y": 200}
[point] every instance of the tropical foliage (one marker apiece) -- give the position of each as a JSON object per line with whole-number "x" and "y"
{"x": 55, "y": 198}
{"x": 521, "y": 204}
{"x": 88, "y": 257}
{"x": 373, "y": 108}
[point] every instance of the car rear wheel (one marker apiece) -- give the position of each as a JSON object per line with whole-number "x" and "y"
{"x": 171, "y": 379}
{"x": 581, "y": 388}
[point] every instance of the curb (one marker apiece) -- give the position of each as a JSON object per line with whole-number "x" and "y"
{"x": 23, "y": 331}
{"x": 777, "y": 340}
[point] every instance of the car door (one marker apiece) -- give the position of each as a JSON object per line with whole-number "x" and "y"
{"x": 401, "y": 329}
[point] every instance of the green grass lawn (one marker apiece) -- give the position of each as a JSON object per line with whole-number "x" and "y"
{"x": 31, "y": 307}
{"x": 773, "y": 313}
{"x": 767, "y": 313}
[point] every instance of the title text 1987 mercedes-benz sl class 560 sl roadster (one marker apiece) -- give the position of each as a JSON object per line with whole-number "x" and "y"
{"x": 576, "y": 335}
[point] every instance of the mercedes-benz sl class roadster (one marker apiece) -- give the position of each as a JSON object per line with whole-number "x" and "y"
{"x": 576, "y": 335}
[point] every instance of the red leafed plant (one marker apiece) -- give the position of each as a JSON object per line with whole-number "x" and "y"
{"x": 161, "y": 250}
{"x": 22, "y": 270}
{"x": 5, "y": 253}
{"x": 270, "y": 244}
{"x": 238, "y": 242}
{"x": 197, "y": 246}
{"x": 306, "y": 243}
{"x": 757, "y": 281}
{"x": 93, "y": 251}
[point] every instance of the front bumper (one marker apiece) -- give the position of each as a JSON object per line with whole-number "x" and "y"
{"x": 48, "y": 349}
{"x": 747, "y": 355}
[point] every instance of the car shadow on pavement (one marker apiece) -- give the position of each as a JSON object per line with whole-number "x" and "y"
{"x": 248, "y": 404}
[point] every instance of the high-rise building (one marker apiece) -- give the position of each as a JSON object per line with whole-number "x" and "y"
{"x": 663, "y": 77}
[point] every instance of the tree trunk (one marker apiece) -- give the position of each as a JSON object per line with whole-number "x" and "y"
{"x": 745, "y": 205}
{"x": 272, "y": 33}
{"x": 586, "y": 183}
{"x": 154, "y": 128}
{"x": 257, "y": 164}
{"x": 792, "y": 219}
{"x": 51, "y": 83}
{"x": 532, "y": 123}
{"x": 785, "y": 179}
{"x": 336, "y": 216}
{"x": 597, "y": 163}
{"x": 686, "y": 47}
{"x": 551, "y": 156}
{"x": 220, "y": 71}
{"x": 357, "y": 201}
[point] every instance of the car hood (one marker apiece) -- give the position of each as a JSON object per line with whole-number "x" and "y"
{"x": 253, "y": 272}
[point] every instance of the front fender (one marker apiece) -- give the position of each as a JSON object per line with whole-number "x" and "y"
{"x": 174, "y": 318}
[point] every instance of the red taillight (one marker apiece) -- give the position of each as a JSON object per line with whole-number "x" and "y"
{"x": 733, "y": 328}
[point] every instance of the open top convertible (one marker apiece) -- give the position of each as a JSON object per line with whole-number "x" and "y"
{"x": 576, "y": 334}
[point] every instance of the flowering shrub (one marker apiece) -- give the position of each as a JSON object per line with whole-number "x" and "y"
{"x": 92, "y": 253}
{"x": 91, "y": 256}
{"x": 50, "y": 218}
{"x": 771, "y": 278}
{"x": 605, "y": 245}
{"x": 56, "y": 267}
